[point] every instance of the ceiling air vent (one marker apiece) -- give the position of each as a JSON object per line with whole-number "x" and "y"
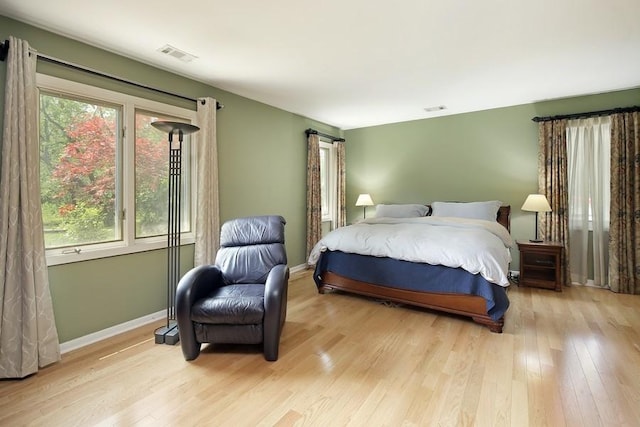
{"x": 436, "y": 108}
{"x": 177, "y": 53}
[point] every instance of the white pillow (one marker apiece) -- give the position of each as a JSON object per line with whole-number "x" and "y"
{"x": 474, "y": 210}
{"x": 401, "y": 211}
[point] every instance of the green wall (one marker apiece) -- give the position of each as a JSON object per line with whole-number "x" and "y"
{"x": 485, "y": 155}
{"x": 262, "y": 161}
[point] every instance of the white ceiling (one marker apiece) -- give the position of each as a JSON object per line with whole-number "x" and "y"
{"x": 356, "y": 63}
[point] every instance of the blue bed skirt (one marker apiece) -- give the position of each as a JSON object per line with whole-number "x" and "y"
{"x": 413, "y": 276}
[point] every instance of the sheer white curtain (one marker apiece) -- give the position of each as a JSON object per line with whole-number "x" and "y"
{"x": 28, "y": 335}
{"x": 207, "y": 196}
{"x": 589, "y": 173}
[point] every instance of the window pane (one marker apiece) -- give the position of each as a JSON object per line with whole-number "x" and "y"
{"x": 324, "y": 181}
{"x": 152, "y": 176}
{"x": 78, "y": 161}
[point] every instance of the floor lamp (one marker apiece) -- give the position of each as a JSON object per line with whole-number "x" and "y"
{"x": 168, "y": 334}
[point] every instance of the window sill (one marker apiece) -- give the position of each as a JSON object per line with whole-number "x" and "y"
{"x": 57, "y": 257}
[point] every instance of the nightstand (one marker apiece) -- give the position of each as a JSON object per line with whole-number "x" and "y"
{"x": 540, "y": 264}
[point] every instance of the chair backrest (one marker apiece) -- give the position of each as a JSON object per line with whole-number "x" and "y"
{"x": 250, "y": 247}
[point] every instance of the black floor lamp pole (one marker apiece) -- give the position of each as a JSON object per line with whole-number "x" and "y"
{"x": 169, "y": 333}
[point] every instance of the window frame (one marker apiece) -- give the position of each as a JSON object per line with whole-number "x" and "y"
{"x": 125, "y": 161}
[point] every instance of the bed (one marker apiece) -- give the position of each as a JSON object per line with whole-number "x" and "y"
{"x": 347, "y": 260}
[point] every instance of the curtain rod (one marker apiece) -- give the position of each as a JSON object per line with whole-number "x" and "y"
{"x": 588, "y": 114}
{"x": 325, "y": 135}
{"x": 4, "y": 50}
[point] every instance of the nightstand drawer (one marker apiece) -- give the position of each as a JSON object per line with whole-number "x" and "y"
{"x": 541, "y": 260}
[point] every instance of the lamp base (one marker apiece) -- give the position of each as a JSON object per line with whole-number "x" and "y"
{"x": 535, "y": 240}
{"x": 167, "y": 334}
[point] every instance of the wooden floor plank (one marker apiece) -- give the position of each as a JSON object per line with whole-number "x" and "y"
{"x": 570, "y": 358}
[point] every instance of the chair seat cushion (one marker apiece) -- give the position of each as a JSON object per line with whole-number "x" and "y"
{"x": 239, "y": 304}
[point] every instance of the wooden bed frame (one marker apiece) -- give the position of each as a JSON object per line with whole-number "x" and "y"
{"x": 462, "y": 304}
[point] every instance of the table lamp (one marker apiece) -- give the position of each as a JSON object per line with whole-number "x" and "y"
{"x": 364, "y": 200}
{"x": 536, "y": 203}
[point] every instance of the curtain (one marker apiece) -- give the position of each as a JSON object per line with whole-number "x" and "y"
{"x": 207, "y": 196}
{"x": 588, "y": 163}
{"x": 314, "y": 208}
{"x": 552, "y": 182}
{"x": 28, "y": 335}
{"x": 624, "y": 260}
{"x": 341, "y": 185}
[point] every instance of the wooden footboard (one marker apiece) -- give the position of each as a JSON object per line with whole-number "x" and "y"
{"x": 467, "y": 305}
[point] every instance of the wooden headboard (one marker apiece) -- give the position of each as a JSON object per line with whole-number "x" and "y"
{"x": 504, "y": 216}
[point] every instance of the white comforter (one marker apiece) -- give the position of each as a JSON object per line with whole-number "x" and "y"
{"x": 477, "y": 246}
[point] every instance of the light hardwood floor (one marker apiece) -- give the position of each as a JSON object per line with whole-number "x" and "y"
{"x": 570, "y": 358}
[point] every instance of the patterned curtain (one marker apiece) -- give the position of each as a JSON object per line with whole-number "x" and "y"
{"x": 207, "y": 197}
{"x": 553, "y": 183}
{"x": 342, "y": 206}
{"x": 624, "y": 229}
{"x": 28, "y": 335}
{"x": 314, "y": 202}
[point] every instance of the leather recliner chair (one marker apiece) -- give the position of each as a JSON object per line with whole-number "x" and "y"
{"x": 242, "y": 299}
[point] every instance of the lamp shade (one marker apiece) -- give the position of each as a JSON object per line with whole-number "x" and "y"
{"x": 536, "y": 203}
{"x": 364, "y": 200}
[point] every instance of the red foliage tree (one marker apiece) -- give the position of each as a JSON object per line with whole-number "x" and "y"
{"x": 86, "y": 172}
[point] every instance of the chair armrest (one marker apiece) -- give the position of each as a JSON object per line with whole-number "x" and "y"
{"x": 276, "y": 286}
{"x": 275, "y": 309}
{"x": 196, "y": 284}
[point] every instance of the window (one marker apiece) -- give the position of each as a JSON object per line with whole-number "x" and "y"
{"x": 588, "y": 165}
{"x": 104, "y": 172}
{"x": 588, "y": 173}
{"x": 328, "y": 182}
{"x": 78, "y": 156}
{"x": 151, "y": 174}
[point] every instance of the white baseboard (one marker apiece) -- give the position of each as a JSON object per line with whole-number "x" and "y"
{"x": 297, "y": 268}
{"x": 77, "y": 343}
